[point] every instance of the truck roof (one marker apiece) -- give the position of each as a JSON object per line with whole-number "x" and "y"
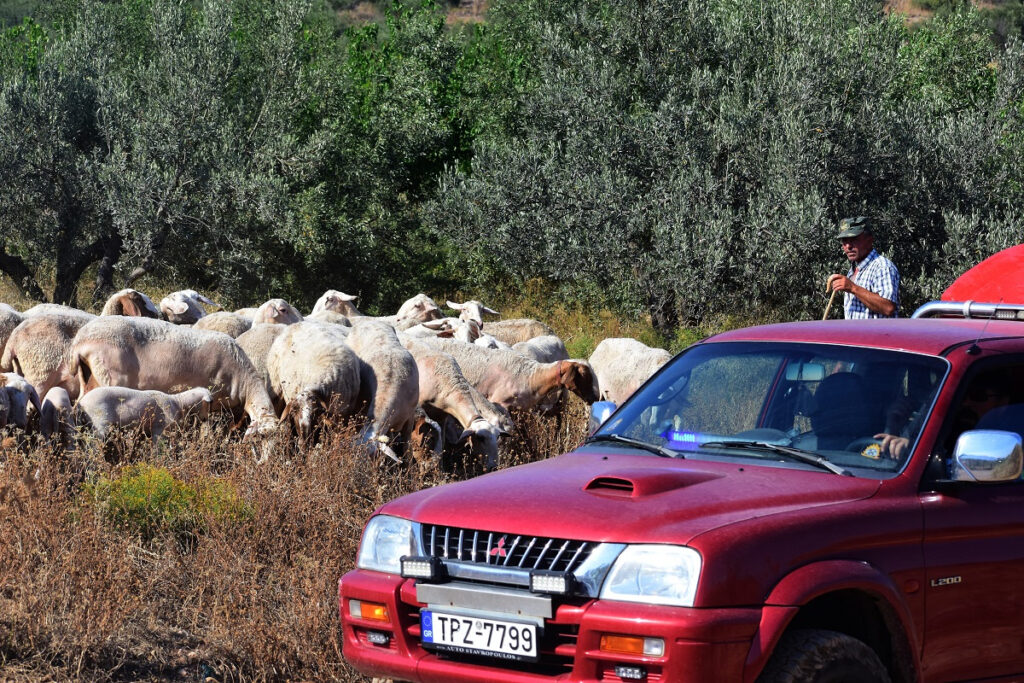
{"x": 932, "y": 336}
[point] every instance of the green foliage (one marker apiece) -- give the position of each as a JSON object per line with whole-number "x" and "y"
{"x": 150, "y": 502}
{"x": 687, "y": 158}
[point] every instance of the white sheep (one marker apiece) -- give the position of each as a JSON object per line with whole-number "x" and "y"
{"x": 19, "y": 395}
{"x": 256, "y": 343}
{"x": 419, "y": 308}
{"x": 547, "y": 348}
{"x": 185, "y": 307}
{"x": 514, "y": 381}
{"x": 622, "y": 364}
{"x": 9, "y": 319}
{"x": 56, "y": 423}
{"x": 445, "y": 392}
{"x": 130, "y": 302}
{"x": 331, "y": 317}
{"x": 311, "y": 371}
{"x": 339, "y": 302}
{"x": 227, "y": 322}
{"x": 517, "y": 330}
{"x": 39, "y": 349}
{"x": 40, "y": 309}
{"x": 276, "y": 311}
{"x": 141, "y": 353}
{"x": 472, "y": 310}
{"x": 246, "y": 312}
{"x": 152, "y": 411}
{"x": 389, "y": 381}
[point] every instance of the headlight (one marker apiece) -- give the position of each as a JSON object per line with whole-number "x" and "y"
{"x": 655, "y": 574}
{"x": 385, "y": 541}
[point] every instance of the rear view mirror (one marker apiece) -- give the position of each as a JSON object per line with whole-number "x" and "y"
{"x": 987, "y": 455}
{"x": 600, "y": 411}
{"x": 805, "y": 372}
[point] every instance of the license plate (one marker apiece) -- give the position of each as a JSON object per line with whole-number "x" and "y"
{"x": 478, "y": 636}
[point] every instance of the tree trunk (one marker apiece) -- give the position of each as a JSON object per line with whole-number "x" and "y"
{"x": 16, "y": 269}
{"x": 105, "y": 273}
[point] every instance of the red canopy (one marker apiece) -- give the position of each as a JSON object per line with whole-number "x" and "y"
{"x": 997, "y": 279}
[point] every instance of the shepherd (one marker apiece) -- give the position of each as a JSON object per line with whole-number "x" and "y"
{"x": 871, "y": 286}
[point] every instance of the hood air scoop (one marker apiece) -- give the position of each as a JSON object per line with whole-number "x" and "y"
{"x": 645, "y": 482}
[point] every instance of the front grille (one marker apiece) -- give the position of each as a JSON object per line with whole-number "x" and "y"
{"x": 504, "y": 550}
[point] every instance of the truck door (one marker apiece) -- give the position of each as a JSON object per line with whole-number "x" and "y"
{"x": 974, "y": 542}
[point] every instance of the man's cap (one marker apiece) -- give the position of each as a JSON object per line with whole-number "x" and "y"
{"x": 854, "y": 227}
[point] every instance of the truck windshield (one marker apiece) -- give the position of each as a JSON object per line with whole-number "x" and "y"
{"x": 853, "y": 407}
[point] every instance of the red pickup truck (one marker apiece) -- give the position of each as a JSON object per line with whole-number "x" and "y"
{"x": 815, "y": 501}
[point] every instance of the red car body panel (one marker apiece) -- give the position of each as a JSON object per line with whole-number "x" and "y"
{"x": 944, "y": 568}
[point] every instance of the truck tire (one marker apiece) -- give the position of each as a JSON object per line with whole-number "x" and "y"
{"x": 819, "y": 656}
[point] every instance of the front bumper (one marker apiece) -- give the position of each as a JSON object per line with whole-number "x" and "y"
{"x": 700, "y": 644}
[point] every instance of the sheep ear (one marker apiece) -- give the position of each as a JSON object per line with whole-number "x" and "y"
{"x": 490, "y": 310}
{"x": 205, "y": 300}
{"x": 438, "y": 324}
{"x": 129, "y": 306}
{"x": 446, "y": 334}
{"x": 347, "y": 297}
{"x": 455, "y": 306}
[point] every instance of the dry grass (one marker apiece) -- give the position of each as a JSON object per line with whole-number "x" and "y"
{"x": 248, "y": 599}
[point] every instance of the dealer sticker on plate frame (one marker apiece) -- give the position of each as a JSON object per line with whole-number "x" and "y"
{"x": 478, "y": 635}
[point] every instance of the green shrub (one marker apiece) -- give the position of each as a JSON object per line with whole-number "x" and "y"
{"x": 151, "y": 502}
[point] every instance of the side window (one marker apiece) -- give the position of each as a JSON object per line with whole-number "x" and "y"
{"x": 992, "y": 398}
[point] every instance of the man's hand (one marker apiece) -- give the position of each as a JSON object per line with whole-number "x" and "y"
{"x": 840, "y": 283}
{"x": 893, "y": 446}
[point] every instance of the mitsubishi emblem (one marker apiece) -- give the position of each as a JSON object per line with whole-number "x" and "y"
{"x": 499, "y": 550}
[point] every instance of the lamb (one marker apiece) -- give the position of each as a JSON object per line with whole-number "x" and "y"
{"x": 311, "y": 370}
{"x": 444, "y": 392}
{"x": 130, "y": 302}
{"x": 146, "y": 354}
{"x": 39, "y": 349}
{"x": 185, "y": 307}
{"x": 472, "y": 310}
{"x": 544, "y": 349}
{"x": 339, "y": 302}
{"x": 514, "y": 381}
{"x": 231, "y": 324}
{"x": 18, "y": 396}
{"x": 152, "y": 411}
{"x": 389, "y": 380}
{"x": 277, "y": 311}
{"x": 517, "y": 330}
{"x": 55, "y": 417}
{"x": 623, "y": 364}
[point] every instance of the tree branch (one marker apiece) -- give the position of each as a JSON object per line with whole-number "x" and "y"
{"x": 16, "y": 269}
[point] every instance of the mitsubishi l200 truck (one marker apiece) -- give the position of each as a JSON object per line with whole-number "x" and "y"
{"x": 813, "y": 501}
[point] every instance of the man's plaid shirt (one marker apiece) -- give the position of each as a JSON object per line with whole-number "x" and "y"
{"x": 877, "y": 274}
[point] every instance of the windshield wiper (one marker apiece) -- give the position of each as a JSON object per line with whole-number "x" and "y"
{"x": 636, "y": 443}
{"x": 794, "y": 453}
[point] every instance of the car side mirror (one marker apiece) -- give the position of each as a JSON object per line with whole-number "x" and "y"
{"x": 600, "y": 411}
{"x": 988, "y": 455}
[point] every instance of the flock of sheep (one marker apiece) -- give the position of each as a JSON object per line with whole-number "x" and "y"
{"x": 450, "y": 380}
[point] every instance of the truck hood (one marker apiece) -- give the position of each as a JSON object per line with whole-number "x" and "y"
{"x": 608, "y": 496}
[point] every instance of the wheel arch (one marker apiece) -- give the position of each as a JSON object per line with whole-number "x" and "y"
{"x": 847, "y": 596}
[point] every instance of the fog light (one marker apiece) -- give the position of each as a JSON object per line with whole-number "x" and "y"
{"x": 557, "y": 583}
{"x": 378, "y": 638}
{"x": 633, "y": 645}
{"x": 428, "y": 568}
{"x": 371, "y": 611}
{"x": 630, "y": 673}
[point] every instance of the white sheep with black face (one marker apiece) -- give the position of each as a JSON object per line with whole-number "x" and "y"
{"x": 623, "y": 364}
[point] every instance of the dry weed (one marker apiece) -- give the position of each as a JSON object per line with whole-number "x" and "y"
{"x": 253, "y": 598}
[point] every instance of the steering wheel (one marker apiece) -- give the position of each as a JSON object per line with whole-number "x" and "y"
{"x": 868, "y": 446}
